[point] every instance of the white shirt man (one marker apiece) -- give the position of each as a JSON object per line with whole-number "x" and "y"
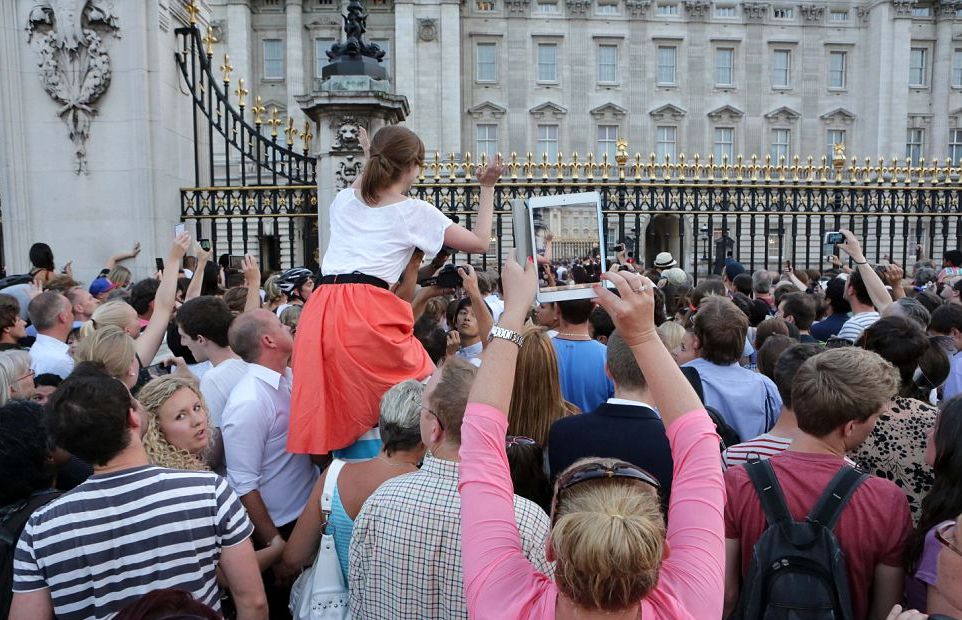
{"x": 52, "y": 315}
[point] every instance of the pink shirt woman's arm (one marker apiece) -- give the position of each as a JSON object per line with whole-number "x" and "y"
{"x": 499, "y": 580}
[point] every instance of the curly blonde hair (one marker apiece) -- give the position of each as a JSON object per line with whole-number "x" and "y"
{"x": 160, "y": 452}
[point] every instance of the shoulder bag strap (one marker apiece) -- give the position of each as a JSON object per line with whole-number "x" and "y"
{"x": 769, "y": 492}
{"x": 695, "y": 380}
{"x": 330, "y": 484}
{"x": 829, "y": 506}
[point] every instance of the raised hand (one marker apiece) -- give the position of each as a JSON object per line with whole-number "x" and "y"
{"x": 894, "y": 275}
{"x": 454, "y": 342}
{"x": 469, "y": 279}
{"x": 519, "y": 287}
{"x": 178, "y": 249}
{"x": 364, "y": 140}
{"x": 634, "y": 312}
{"x": 489, "y": 174}
{"x": 851, "y": 246}
{"x": 252, "y": 272}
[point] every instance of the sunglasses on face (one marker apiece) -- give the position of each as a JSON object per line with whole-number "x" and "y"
{"x": 946, "y": 536}
{"x": 597, "y": 471}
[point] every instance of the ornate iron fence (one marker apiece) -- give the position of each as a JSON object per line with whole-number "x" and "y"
{"x": 764, "y": 213}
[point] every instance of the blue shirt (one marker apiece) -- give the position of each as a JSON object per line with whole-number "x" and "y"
{"x": 830, "y": 326}
{"x": 953, "y": 385}
{"x": 748, "y": 401}
{"x": 581, "y": 364}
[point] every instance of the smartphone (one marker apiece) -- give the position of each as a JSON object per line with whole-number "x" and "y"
{"x": 204, "y": 244}
{"x": 158, "y": 370}
{"x": 834, "y": 238}
{"x": 236, "y": 262}
{"x": 180, "y": 229}
{"x": 619, "y": 248}
{"x": 160, "y": 263}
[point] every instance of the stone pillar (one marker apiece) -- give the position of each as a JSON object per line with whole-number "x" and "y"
{"x": 294, "y": 66}
{"x": 938, "y": 147}
{"x": 338, "y": 109}
{"x": 138, "y": 146}
{"x": 237, "y": 34}
{"x": 450, "y": 84}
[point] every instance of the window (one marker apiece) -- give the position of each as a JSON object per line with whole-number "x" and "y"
{"x": 838, "y": 16}
{"x": 486, "y": 142}
{"x": 547, "y": 62}
{"x": 273, "y": 59}
{"x": 725, "y": 11}
{"x": 921, "y": 11}
{"x": 833, "y": 137}
{"x": 955, "y": 146}
{"x": 607, "y": 9}
{"x": 548, "y": 141}
{"x": 774, "y": 242}
{"x": 607, "y": 63}
{"x": 550, "y": 8}
{"x": 666, "y": 9}
{"x": 724, "y": 144}
{"x": 837, "y": 62}
{"x": 957, "y": 68}
{"x": 783, "y": 13}
{"x": 666, "y": 64}
{"x": 320, "y": 54}
{"x": 607, "y": 142}
{"x": 724, "y": 66}
{"x": 782, "y": 68}
{"x": 486, "y": 66}
{"x": 665, "y": 142}
{"x": 918, "y": 59}
{"x": 915, "y": 145}
{"x": 484, "y": 5}
{"x": 781, "y": 144}
{"x": 385, "y": 45}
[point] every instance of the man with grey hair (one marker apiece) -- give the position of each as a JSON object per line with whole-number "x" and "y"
{"x": 52, "y": 316}
{"x": 273, "y": 484}
{"x": 909, "y": 308}
{"x": 625, "y": 427}
{"x": 405, "y": 557}
{"x": 762, "y": 288}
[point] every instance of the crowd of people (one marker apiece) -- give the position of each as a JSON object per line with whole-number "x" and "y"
{"x": 169, "y": 443}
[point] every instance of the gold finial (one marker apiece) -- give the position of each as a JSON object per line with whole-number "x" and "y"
{"x": 274, "y": 121}
{"x": 838, "y": 154}
{"x": 241, "y": 93}
{"x": 290, "y": 132}
{"x": 226, "y": 68}
{"x": 621, "y": 156}
{"x": 258, "y": 110}
{"x": 191, "y": 7}
{"x": 209, "y": 40}
{"x": 307, "y": 137}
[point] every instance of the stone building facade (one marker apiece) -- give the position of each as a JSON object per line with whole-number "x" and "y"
{"x": 671, "y": 76}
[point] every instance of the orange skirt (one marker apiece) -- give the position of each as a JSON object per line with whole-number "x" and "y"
{"x": 354, "y": 342}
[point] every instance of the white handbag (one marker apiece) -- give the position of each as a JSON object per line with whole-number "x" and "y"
{"x": 320, "y": 593}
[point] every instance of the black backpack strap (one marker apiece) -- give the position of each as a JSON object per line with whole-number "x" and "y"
{"x": 695, "y": 380}
{"x": 829, "y": 506}
{"x": 769, "y": 491}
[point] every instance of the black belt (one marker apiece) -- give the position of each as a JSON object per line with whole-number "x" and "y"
{"x": 355, "y": 278}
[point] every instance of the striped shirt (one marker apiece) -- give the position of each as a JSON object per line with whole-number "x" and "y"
{"x": 762, "y": 447}
{"x": 119, "y": 536}
{"x": 854, "y": 327}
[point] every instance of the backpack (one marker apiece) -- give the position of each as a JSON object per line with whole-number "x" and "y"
{"x": 727, "y": 434}
{"x": 797, "y": 570}
{"x": 25, "y": 278}
{"x": 11, "y": 526}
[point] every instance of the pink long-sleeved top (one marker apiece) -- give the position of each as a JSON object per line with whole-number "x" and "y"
{"x": 501, "y": 583}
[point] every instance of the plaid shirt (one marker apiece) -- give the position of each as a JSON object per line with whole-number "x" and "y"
{"x": 406, "y": 547}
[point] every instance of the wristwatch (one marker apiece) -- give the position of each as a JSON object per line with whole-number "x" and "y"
{"x": 506, "y": 334}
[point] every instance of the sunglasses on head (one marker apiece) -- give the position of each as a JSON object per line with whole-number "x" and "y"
{"x": 597, "y": 471}
{"x": 518, "y": 440}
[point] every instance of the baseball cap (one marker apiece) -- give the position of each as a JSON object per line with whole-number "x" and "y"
{"x": 100, "y": 286}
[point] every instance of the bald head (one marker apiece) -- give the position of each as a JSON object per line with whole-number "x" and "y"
{"x": 250, "y": 332}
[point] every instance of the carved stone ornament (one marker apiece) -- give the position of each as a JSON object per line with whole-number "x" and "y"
{"x": 517, "y": 6}
{"x": 812, "y": 13}
{"x": 755, "y": 11}
{"x": 903, "y": 8}
{"x": 863, "y": 12}
{"x": 427, "y": 29}
{"x": 637, "y": 8}
{"x": 347, "y": 130}
{"x": 74, "y": 65}
{"x": 578, "y": 7}
{"x": 697, "y": 9}
{"x": 667, "y": 112}
{"x": 347, "y": 171}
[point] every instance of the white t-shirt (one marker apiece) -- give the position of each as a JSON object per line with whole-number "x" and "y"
{"x": 379, "y": 241}
{"x": 217, "y": 384}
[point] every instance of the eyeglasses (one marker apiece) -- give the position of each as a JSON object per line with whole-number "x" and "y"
{"x": 29, "y": 375}
{"x": 946, "y": 536}
{"x": 518, "y": 440}
{"x": 436, "y": 416}
{"x": 597, "y": 471}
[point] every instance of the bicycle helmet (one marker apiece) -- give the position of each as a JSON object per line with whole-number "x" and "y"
{"x": 293, "y": 279}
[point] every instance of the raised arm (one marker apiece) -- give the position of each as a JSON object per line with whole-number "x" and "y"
{"x": 407, "y": 286}
{"x": 482, "y": 314}
{"x": 252, "y": 280}
{"x": 873, "y": 283}
{"x": 197, "y": 281}
{"x": 153, "y": 335}
{"x": 365, "y": 142}
{"x": 122, "y": 256}
{"x": 478, "y": 239}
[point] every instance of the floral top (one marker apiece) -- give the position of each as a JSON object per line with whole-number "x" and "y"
{"x": 896, "y": 449}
